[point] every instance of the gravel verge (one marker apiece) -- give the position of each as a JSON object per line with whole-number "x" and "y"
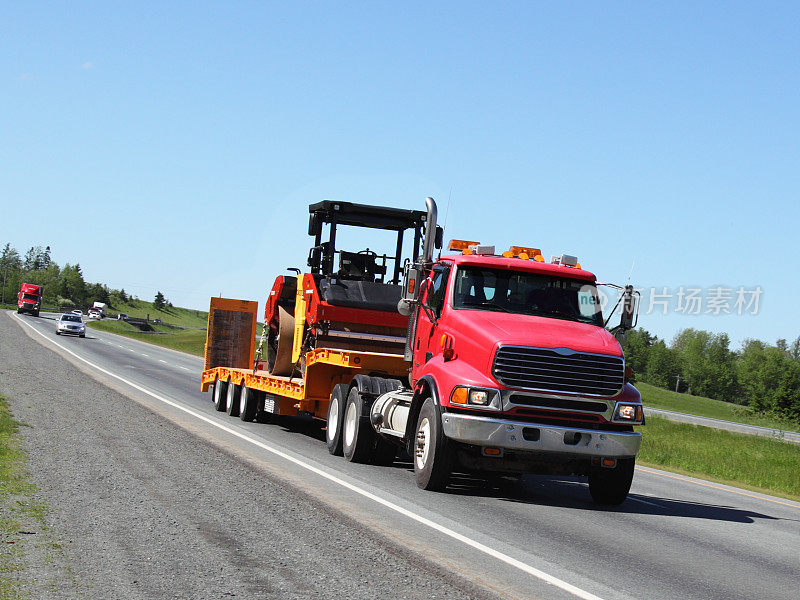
{"x": 140, "y": 508}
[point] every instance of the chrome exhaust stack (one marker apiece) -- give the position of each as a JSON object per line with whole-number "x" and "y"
{"x": 429, "y": 244}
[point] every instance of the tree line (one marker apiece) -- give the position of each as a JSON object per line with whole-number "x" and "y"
{"x": 64, "y": 287}
{"x": 765, "y": 378}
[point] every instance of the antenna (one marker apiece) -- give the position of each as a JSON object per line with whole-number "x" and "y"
{"x": 631, "y": 271}
{"x": 447, "y": 210}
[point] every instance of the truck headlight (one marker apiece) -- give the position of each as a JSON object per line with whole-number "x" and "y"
{"x": 628, "y": 413}
{"x": 476, "y": 397}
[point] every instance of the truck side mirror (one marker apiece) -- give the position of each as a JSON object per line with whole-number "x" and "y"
{"x": 438, "y": 240}
{"x": 626, "y": 320}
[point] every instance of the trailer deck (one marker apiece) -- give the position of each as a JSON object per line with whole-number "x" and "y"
{"x": 325, "y": 368}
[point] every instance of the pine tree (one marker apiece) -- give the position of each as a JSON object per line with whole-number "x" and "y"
{"x": 159, "y": 302}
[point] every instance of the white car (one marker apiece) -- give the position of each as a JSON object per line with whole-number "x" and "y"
{"x": 70, "y": 323}
{"x": 77, "y": 311}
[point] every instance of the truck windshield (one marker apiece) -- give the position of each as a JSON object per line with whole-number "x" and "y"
{"x": 478, "y": 288}
{"x": 30, "y": 297}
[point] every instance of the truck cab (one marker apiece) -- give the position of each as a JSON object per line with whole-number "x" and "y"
{"x": 29, "y": 299}
{"x": 517, "y": 355}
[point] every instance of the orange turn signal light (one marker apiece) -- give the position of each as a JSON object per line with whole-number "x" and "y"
{"x": 459, "y": 396}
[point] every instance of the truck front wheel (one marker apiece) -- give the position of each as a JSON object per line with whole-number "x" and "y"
{"x": 611, "y": 486}
{"x": 220, "y": 394}
{"x": 432, "y": 453}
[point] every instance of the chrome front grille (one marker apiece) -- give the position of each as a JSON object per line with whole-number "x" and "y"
{"x": 561, "y": 371}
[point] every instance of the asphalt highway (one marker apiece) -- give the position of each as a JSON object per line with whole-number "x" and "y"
{"x": 542, "y": 537}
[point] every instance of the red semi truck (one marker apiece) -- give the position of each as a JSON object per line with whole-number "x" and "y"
{"x": 472, "y": 362}
{"x": 29, "y": 299}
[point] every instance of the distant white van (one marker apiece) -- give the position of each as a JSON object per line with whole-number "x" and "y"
{"x": 101, "y": 306}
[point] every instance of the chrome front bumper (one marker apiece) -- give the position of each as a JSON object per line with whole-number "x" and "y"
{"x": 534, "y": 437}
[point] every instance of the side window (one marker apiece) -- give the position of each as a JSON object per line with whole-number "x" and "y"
{"x": 436, "y": 293}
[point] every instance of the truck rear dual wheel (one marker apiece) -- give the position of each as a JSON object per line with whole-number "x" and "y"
{"x": 220, "y": 394}
{"x": 360, "y": 442}
{"x": 357, "y": 433}
{"x": 335, "y": 421}
{"x": 433, "y": 455}
{"x": 611, "y": 486}
{"x": 232, "y": 402}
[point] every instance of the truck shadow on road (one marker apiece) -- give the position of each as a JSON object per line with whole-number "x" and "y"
{"x": 566, "y": 492}
{"x": 573, "y": 492}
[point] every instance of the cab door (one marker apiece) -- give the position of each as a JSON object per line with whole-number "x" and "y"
{"x": 432, "y": 299}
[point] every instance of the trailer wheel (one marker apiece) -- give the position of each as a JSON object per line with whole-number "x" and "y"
{"x": 248, "y": 404}
{"x": 279, "y": 345}
{"x": 432, "y": 452}
{"x": 220, "y": 394}
{"x": 611, "y": 486}
{"x": 358, "y": 437}
{"x": 335, "y": 421}
{"x": 234, "y": 392}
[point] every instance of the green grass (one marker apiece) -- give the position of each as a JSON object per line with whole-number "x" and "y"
{"x": 181, "y": 317}
{"x": 186, "y": 340}
{"x": 756, "y": 463}
{"x": 656, "y": 397}
{"x": 18, "y": 505}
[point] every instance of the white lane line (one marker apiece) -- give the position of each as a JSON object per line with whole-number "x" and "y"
{"x": 185, "y": 368}
{"x": 143, "y": 354}
{"x": 526, "y": 568}
{"x": 163, "y": 361}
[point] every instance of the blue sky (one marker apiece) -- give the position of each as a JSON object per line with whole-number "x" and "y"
{"x": 190, "y": 138}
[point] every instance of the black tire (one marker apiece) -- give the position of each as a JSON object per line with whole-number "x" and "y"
{"x": 83, "y": 335}
{"x": 220, "y": 395}
{"x": 232, "y": 402}
{"x": 36, "y": 314}
{"x": 611, "y": 486}
{"x": 433, "y": 456}
{"x": 358, "y": 437}
{"x": 58, "y": 333}
{"x": 248, "y": 404}
{"x": 335, "y": 420}
{"x": 19, "y": 311}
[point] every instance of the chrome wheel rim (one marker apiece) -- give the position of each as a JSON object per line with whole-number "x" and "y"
{"x": 422, "y": 444}
{"x": 350, "y": 418}
{"x": 333, "y": 420}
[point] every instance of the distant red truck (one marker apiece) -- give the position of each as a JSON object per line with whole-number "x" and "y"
{"x": 29, "y": 299}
